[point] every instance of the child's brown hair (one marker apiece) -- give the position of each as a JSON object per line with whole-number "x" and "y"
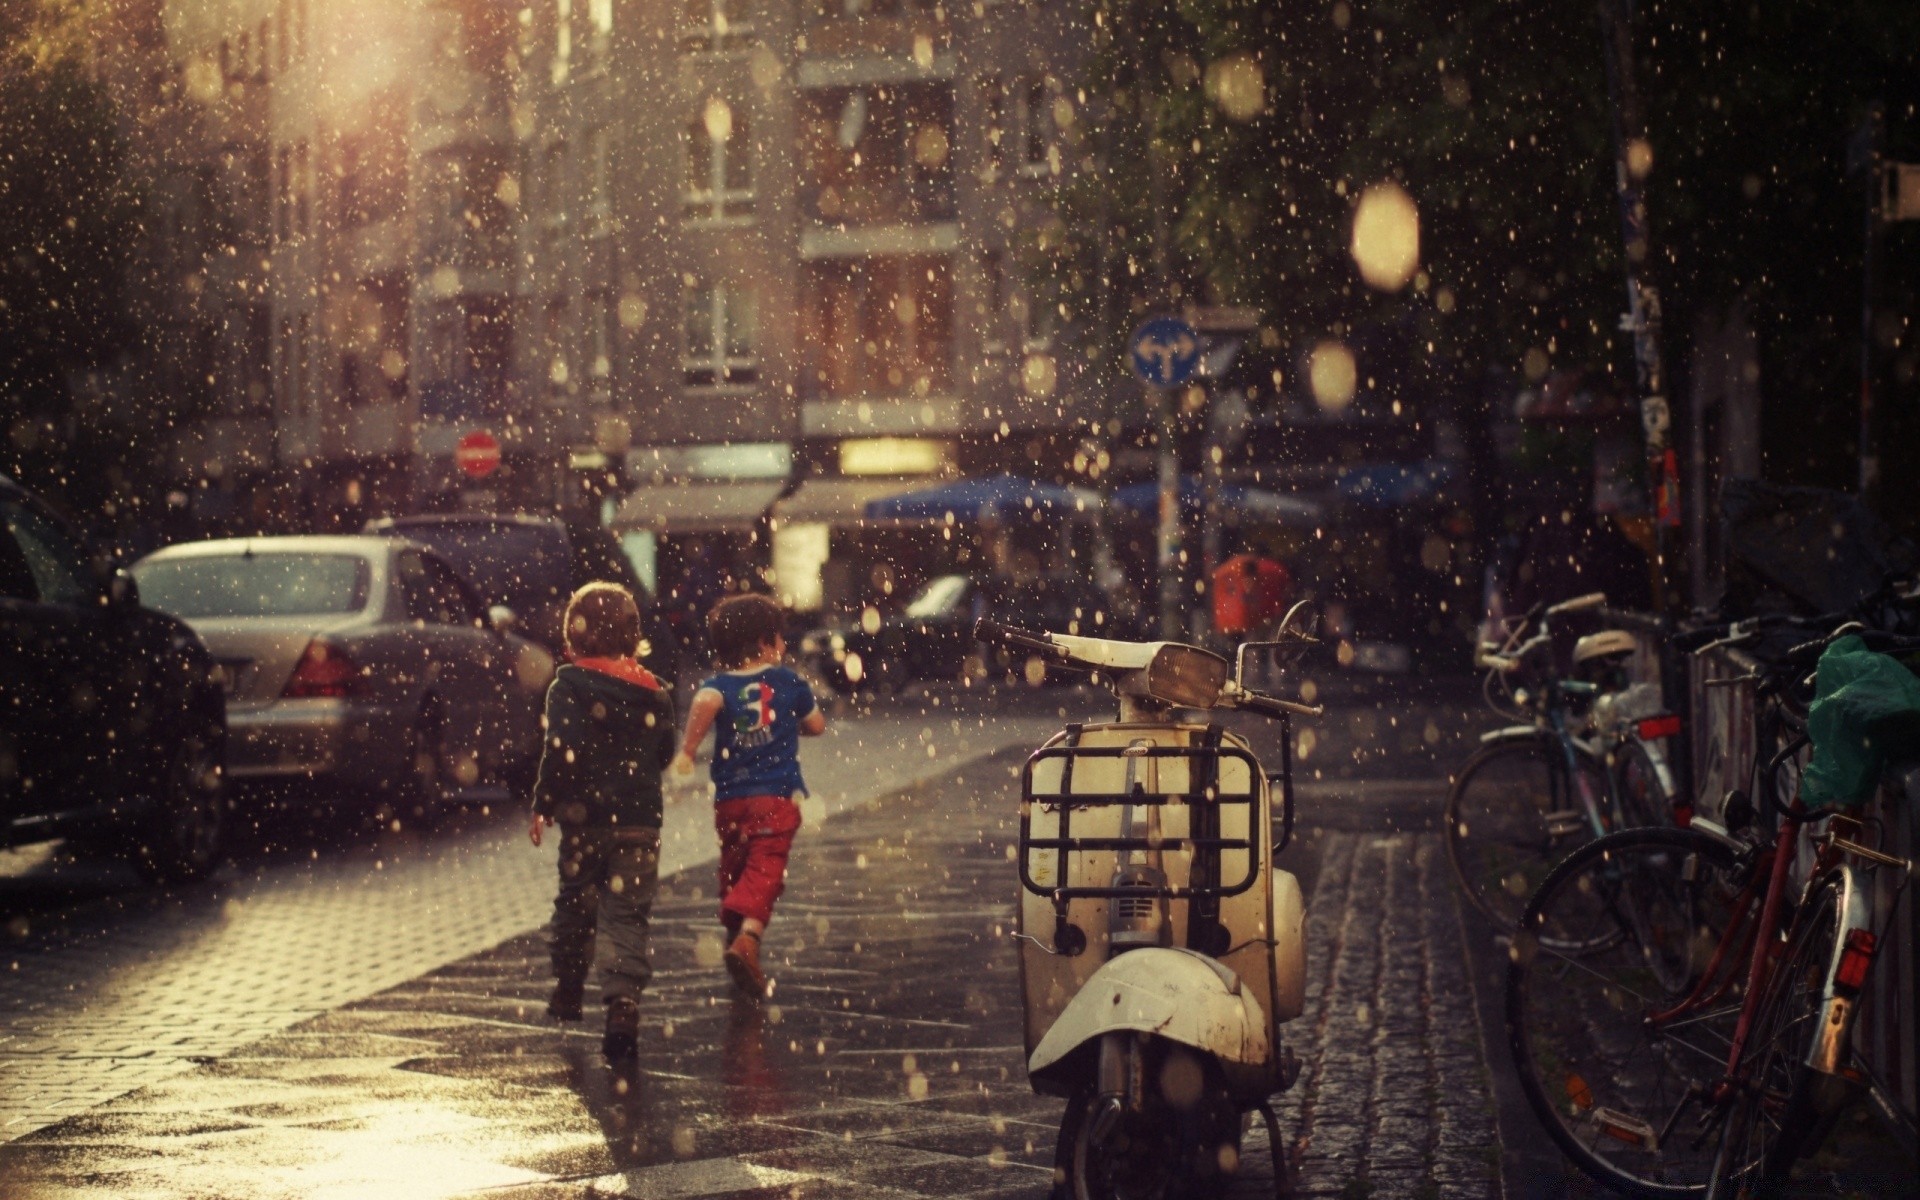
{"x": 602, "y": 621}
{"x": 739, "y": 625}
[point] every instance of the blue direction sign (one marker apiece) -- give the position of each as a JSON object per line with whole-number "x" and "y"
{"x": 1165, "y": 351}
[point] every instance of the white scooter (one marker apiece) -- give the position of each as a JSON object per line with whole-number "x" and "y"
{"x": 1160, "y": 948}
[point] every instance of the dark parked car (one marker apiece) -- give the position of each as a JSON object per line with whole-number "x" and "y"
{"x": 531, "y": 565}
{"x": 931, "y": 637}
{"x": 112, "y": 726}
{"x": 362, "y": 662}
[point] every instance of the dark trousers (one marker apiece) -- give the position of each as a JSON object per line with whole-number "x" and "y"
{"x": 608, "y": 879}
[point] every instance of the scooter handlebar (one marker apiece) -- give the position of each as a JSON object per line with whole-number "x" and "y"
{"x": 1247, "y": 700}
{"x": 993, "y": 633}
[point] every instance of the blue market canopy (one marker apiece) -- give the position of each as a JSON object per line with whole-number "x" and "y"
{"x": 993, "y": 498}
{"x": 1392, "y": 485}
{"x": 1238, "y": 501}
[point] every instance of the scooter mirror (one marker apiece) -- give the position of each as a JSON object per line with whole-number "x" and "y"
{"x": 1270, "y": 659}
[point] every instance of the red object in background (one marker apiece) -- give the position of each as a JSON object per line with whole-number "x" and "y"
{"x": 478, "y": 454}
{"x": 1249, "y": 593}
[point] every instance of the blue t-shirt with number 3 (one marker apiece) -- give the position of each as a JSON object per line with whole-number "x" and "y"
{"x": 756, "y": 747}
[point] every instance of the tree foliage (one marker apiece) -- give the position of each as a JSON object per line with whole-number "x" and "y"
{"x": 1493, "y": 115}
{"x": 67, "y": 216}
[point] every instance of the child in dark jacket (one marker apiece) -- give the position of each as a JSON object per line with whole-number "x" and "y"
{"x": 609, "y": 732}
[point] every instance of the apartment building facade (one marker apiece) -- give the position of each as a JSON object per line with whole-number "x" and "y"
{"x": 777, "y": 239}
{"x": 358, "y": 284}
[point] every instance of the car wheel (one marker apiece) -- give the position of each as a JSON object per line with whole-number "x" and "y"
{"x": 184, "y": 837}
{"x": 424, "y": 771}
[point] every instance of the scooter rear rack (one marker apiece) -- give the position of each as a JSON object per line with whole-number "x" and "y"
{"x": 1204, "y": 804}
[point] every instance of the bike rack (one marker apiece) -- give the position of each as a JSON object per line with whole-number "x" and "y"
{"x": 1199, "y": 801}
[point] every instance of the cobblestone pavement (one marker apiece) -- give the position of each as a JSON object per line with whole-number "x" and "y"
{"x": 129, "y": 987}
{"x": 888, "y": 1064}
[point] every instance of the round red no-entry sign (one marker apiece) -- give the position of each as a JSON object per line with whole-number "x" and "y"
{"x": 478, "y": 454}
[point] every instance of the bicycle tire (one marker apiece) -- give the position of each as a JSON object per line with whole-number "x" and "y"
{"x": 1760, "y": 1141}
{"x": 1644, "y": 800}
{"x": 1510, "y": 816}
{"x": 1609, "y": 1087}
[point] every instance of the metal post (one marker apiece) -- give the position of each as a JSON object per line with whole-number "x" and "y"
{"x": 1167, "y": 463}
{"x": 1870, "y": 135}
{"x": 1643, "y": 299}
{"x": 1167, "y": 460}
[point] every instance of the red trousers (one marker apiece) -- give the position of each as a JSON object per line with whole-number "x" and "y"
{"x": 756, "y": 834}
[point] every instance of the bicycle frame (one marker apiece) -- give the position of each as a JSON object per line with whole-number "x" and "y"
{"x": 1754, "y": 940}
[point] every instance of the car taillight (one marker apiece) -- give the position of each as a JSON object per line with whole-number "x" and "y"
{"x": 1654, "y": 728}
{"x": 1855, "y": 959}
{"x": 323, "y": 672}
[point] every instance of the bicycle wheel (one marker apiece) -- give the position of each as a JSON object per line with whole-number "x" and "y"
{"x": 1771, "y": 1124}
{"x": 1644, "y": 801}
{"x": 1512, "y": 813}
{"x": 1617, "y": 1046}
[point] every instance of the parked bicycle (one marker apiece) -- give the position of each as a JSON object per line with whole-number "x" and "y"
{"x": 1680, "y": 1002}
{"x": 1539, "y": 789}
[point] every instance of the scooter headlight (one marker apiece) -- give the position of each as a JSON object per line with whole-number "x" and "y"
{"x": 1186, "y": 676}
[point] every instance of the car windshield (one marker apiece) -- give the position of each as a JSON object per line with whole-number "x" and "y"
{"x": 520, "y": 566}
{"x": 254, "y": 585}
{"x": 937, "y": 597}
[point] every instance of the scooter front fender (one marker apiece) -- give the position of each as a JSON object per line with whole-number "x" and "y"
{"x": 1170, "y": 993}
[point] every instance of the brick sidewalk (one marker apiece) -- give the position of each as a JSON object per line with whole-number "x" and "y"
{"x": 142, "y": 984}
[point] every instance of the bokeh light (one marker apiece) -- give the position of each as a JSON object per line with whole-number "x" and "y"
{"x": 1386, "y": 236}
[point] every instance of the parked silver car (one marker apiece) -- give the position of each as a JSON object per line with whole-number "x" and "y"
{"x": 361, "y": 661}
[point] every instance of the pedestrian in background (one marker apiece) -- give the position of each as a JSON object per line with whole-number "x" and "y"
{"x": 758, "y": 709}
{"x": 609, "y": 734}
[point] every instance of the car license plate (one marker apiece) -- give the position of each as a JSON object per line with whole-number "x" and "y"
{"x": 226, "y": 674}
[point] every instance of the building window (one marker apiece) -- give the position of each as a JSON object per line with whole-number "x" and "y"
{"x": 302, "y": 187}
{"x": 1037, "y": 320}
{"x": 878, "y": 155}
{"x": 600, "y": 318}
{"x": 719, "y": 163}
{"x": 855, "y": 9}
{"x": 713, "y": 25}
{"x": 1034, "y": 140}
{"x": 599, "y": 178}
{"x": 553, "y": 215}
{"x": 261, "y": 64}
{"x": 300, "y": 28}
{"x": 559, "y": 372}
{"x": 282, "y": 33}
{"x": 720, "y": 331}
{"x": 992, "y": 308}
{"x": 995, "y": 103}
{"x": 282, "y": 189}
{"x": 879, "y": 326}
{"x": 562, "y": 41}
{"x": 302, "y": 356}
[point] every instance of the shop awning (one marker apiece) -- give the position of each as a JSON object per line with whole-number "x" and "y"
{"x": 996, "y": 497}
{"x": 1238, "y": 501}
{"x": 1392, "y": 485}
{"x": 838, "y": 501}
{"x": 705, "y": 506}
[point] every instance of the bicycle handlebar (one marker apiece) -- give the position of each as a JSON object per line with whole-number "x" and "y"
{"x": 1577, "y": 604}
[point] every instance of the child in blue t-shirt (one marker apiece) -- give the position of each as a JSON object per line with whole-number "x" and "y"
{"x": 758, "y": 710}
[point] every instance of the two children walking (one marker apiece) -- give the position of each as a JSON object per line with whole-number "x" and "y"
{"x": 609, "y": 735}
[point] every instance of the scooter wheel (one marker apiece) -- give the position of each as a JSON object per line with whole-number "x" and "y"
{"x": 1169, "y": 1152}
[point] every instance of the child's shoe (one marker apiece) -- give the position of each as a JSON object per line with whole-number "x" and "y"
{"x": 567, "y": 1001}
{"x": 743, "y": 963}
{"x": 621, "y": 1044}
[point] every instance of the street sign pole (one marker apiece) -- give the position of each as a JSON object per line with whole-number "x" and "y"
{"x": 1166, "y": 352}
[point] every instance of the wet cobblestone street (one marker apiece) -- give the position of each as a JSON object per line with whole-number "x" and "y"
{"x": 887, "y": 1064}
